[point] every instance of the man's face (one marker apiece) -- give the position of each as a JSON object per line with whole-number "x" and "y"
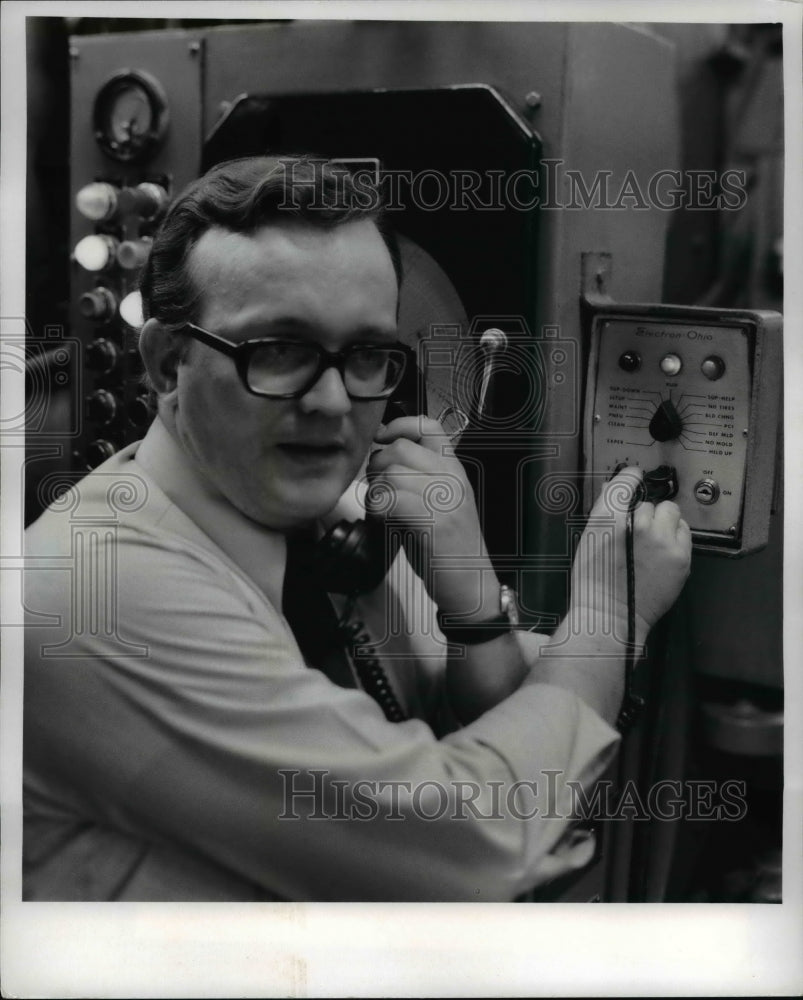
{"x": 283, "y": 462}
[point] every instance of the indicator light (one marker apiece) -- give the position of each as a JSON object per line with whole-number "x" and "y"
{"x": 713, "y": 367}
{"x": 670, "y": 364}
{"x": 150, "y": 200}
{"x": 132, "y": 254}
{"x": 96, "y": 252}
{"x": 131, "y": 310}
{"x": 97, "y": 201}
{"x": 630, "y": 361}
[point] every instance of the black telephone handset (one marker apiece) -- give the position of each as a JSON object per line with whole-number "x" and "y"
{"x": 353, "y": 557}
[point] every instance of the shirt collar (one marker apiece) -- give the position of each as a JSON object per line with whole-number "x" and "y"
{"x": 258, "y": 551}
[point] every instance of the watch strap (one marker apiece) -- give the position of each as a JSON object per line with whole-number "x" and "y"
{"x": 477, "y": 632}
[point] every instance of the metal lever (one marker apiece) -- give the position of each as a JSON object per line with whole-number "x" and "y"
{"x": 492, "y": 343}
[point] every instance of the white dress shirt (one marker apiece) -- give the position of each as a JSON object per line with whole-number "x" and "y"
{"x": 169, "y": 715}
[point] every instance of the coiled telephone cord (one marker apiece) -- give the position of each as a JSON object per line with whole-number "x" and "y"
{"x": 369, "y": 670}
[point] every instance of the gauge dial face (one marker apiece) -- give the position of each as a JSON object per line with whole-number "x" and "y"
{"x": 130, "y": 116}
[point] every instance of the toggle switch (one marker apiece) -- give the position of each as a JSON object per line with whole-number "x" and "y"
{"x": 493, "y": 343}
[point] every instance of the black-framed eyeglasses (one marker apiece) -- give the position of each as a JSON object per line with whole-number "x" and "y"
{"x": 279, "y": 368}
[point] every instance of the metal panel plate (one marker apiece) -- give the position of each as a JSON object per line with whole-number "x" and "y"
{"x": 712, "y": 444}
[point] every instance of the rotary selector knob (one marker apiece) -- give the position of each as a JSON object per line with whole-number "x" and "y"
{"x": 101, "y": 407}
{"x": 660, "y": 484}
{"x": 102, "y": 356}
{"x": 666, "y": 424}
{"x": 98, "y": 451}
{"x": 140, "y": 412}
{"x": 98, "y": 304}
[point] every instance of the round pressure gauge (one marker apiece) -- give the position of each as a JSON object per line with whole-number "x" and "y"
{"x": 130, "y": 115}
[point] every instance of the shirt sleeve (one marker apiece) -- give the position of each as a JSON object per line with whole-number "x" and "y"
{"x": 195, "y": 722}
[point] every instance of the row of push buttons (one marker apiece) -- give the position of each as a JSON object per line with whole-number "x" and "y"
{"x": 713, "y": 367}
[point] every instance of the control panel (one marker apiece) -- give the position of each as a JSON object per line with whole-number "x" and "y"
{"x": 691, "y": 396}
{"x": 135, "y": 107}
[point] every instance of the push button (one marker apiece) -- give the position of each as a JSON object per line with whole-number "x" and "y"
{"x": 670, "y": 364}
{"x": 713, "y": 368}
{"x": 630, "y": 361}
{"x": 706, "y": 491}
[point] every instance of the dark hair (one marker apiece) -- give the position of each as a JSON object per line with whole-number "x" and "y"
{"x": 242, "y": 196}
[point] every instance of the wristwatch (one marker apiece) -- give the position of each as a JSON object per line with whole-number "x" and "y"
{"x": 477, "y": 632}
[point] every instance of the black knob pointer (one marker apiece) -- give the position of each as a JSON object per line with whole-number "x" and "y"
{"x": 666, "y": 424}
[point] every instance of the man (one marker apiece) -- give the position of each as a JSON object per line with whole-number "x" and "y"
{"x": 185, "y": 749}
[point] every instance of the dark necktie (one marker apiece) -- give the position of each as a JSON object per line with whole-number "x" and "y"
{"x": 310, "y": 614}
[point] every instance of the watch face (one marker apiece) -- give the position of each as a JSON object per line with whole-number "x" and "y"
{"x": 508, "y": 604}
{"x": 130, "y": 115}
